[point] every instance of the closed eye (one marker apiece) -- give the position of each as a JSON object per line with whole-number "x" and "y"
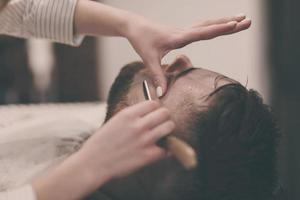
{"x": 185, "y": 72}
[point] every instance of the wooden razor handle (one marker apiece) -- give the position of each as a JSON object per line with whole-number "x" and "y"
{"x": 182, "y": 151}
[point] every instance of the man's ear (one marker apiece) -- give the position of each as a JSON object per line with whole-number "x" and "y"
{"x": 181, "y": 62}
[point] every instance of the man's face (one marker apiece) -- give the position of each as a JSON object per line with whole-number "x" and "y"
{"x": 188, "y": 88}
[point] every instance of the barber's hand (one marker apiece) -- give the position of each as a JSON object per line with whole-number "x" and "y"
{"x": 127, "y": 142}
{"x": 153, "y": 41}
{"x": 124, "y": 144}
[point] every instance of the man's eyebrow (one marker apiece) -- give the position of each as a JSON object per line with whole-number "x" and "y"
{"x": 185, "y": 72}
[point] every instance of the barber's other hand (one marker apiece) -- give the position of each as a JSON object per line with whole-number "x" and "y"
{"x": 127, "y": 142}
{"x": 153, "y": 41}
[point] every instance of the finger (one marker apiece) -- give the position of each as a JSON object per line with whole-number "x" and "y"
{"x": 158, "y": 77}
{"x": 155, "y": 118}
{"x": 209, "y": 32}
{"x": 154, "y": 153}
{"x": 145, "y": 157}
{"x": 243, "y": 25}
{"x": 159, "y": 132}
{"x": 223, "y": 20}
{"x": 142, "y": 108}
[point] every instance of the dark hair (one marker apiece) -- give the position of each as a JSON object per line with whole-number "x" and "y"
{"x": 237, "y": 141}
{"x": 118, "y": 91}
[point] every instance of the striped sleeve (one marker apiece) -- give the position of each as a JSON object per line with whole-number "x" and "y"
{"x": 46, "y": 19}
{"x": 24, "y": 193}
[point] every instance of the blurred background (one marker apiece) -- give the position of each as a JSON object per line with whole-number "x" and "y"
{"x": 266, "y": 57}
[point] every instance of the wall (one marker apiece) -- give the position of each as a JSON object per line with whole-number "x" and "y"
{"x": 241, "y": 56}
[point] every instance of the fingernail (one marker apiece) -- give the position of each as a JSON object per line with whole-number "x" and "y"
{"x": 159, "y": 91}
{"x": 247, "y": 20}
{"x": 241, "y": 15}
{"x": 232, "y": 23}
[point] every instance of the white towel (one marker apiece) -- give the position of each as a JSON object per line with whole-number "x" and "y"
{"x": 34, "y": 139}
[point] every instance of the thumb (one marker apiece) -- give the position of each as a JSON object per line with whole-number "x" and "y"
{"x": 158, "y": 78}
